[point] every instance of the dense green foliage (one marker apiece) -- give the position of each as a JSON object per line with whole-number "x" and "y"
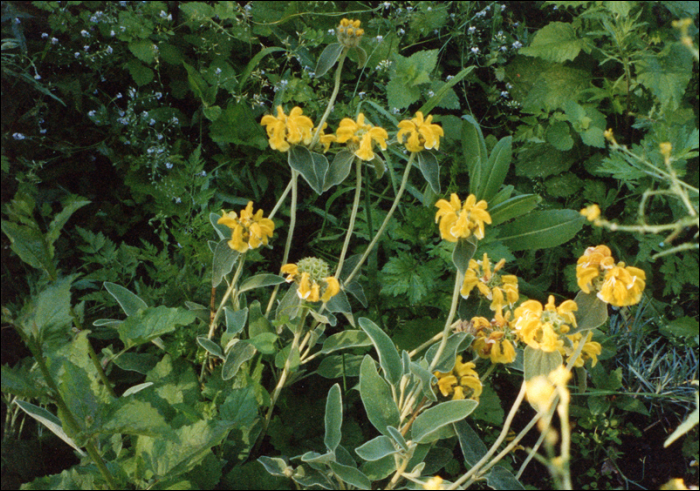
{"x": 127, "y": 127}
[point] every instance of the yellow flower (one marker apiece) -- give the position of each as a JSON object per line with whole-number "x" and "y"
{"x": 433, "y": 483}
{"x": 497, "y": 288}
{"x": 665, "y": 149}
{"x": 360, "y": 135}
{"x": 421, "y": 134}
{"x": 591, "y": 212}
{"x": 590, "y": 266}
{"x": 676, "y": 483}
{"x": 326, "y": 140}
{"x": 283, "y": 130}
{"x": 310, "y": 273}
{"x": 622, "y": 286}
{"x": 590, "y": 350}
{"x": 540, "y": 328}
{"x": 540, "y": 390}
{"x": 249, "y": 231}
{"x": 460, "y": 221}
{"x": 608, "y": 134}
{"x": 349, "y": 33}
{"x": 449, "y": 383}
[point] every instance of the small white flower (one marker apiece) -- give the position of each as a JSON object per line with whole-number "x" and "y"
{"x": 109, "y": 50}
{"x": 217, "y": 71}
{"x": 44, "y": 35}
{"x": 84, "y": 33}
{"x": 503, "y": 7}
{"x": 379, "y": 38}
{"x": 504, "y": 93}
{"x": 119, "y": 95}
{"x": 18, "y": 136}
{"x": 37, "y": 77}
{"x": 54, "y": 40}
{"x": 163, "y": 14}
{"x": 112, "y": 33}
{"x": 331, "y": 31}
{"x": 401, "y": 32}
{"x": 203, "y": 173}
{"x": 42, "y": 131}
{"x": 449, "y": 77}
{"x": 169, "y": 165}
{"x": 361, "y": 94}
{"x": 158, "y": 95}
{"x": 429, "y": 9}
{"x": 175, "y": 120}
{"x": 475, "y": 50}
{"x": 92, "y": 113}
{"x": 178, "y": 201}
{"x": 86, "y": 48}
{"x": 431, "y": 93}
{"x": 471, "y": 30}
{"x": 152, "y": 122}
{"x": 517, "y": 45}
{"x": 77, "y": 54}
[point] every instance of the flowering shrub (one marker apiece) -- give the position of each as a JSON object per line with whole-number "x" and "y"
{"x": 336, "y": 296}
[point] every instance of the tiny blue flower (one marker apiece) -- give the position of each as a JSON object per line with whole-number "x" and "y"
{"x": 18, "y": 136}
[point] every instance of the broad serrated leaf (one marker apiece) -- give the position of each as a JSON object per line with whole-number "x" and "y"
{"x": 557, "y": 42}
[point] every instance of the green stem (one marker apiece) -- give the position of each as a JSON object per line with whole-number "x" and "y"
{"x": 229, "y": 292}
{"x": 331, "y": 101}
{"x": 290, "y": 233}
{"x": 386, "y": 220}
{"x": 283, "y": 377}
{"x": 448, "y": 324}
{"x": 281, "y": 200}
{"x": 353, "y": 216}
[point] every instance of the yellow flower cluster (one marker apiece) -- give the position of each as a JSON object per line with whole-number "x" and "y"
{"x": 421, "y": 134}
{"x": 283, "y": 130}
{"x": 433, "y": 483}
{"x": 497, "y": 288}
{"x": 349, "y": 33}
{"x": 310, "y": 273}
{"x": 360, "y": 135}
{"x": 460, "y": 221}
{"x": 248, "y": 231}
{"x": 463, "y": 376}
{"x": 540, "y": 327}
{"x": 618, "y": 285}
{"x": 591, "y": 212}
{"x": 494, "y": 339}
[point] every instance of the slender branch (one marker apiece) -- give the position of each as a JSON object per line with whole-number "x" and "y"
{"x": 353, "y": 216}
{"x": 448, "y": 324}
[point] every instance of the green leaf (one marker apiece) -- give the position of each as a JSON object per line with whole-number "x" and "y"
{"x": 129, "y": 302}
{"x": 376, "y": 397}
{"x": 667, "y": 74}
{"x": 336, "y": 366}
{"x": 472, "y": 446}
{"x": 501, "y": 478}
{"x": 377, "y": 448}
{"x": 563, "y": 186}
{"x": 430, "y": 169}
{"x": 49, "y": 317}
{"x": 131, "y": 416}
{"x": 290, "y": 305}
{"x": 474, "y": 150}
{"x": 425, "y": 427}
{"x": 282, "y": 356}
{"x": 258, "y": 324}
{"x": 239, "y": 354}
{"x": 60, "y": 220}
{"x": 142, "y": 75}
{"x": 221, "y": 230}
{"x": 541, "y": 229}
{"x": 197, "y": 83}
{"x": 426, "y": 379}
{"x": 18, "y": 381}
{"x": 209, "y": 345}
{"x": 557, "y": 42}
{"x": 513, "y": 207}
{"x": 592, "y": 312}
{"x": 265, "y": 343}
{"x": 260, "y": 281}
{"x": 361, "y": 56}
{"x": 334, "y": 418}
{"x": 339, "y": 303}
{"x": 494, "y": 173}
{"x": 235, "y": 322}
{"x": 401, "y": 96}
{"x": 406, "y": 273}
{"x": 237, "y": 125}
{"x": 274, "y": 465}
{"x": 537, "y": 362}
{"x": 254, "y": 63}
{"x": 443, "y": 91}
{"x": 312, "y": 166}
{"x": 240, "y": 407}
{"x": 144, "y": 50}
{"x": 389, "y": 358}
{"x": 222, "y": 264}
{"x": 464, "y": 250}
{"x": 558, "y": 134}
{"x": 339, "y": 169}
{"x": 345, "y": 340}
{"x": 212, "y": 113}
{"x": 351, "y": 475}
{"x": 30, "y": 245}
{"x": 684, "y": 327}
{"x": 328, "y": 57}
{"x": 50, "y": 421}
{"x": 146, "y": 325}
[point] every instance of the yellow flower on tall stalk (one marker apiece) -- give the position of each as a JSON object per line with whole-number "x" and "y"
{"x": 618, "y": 285}
{"x": 494, "y": 340}
{"x": 540, "y": 390}
{"x": 590, "y": 350}
{"x": 463, "y": 376}
{"x": 283, "y": 130}
{"x": 360, "y": 135}
{"x": 248, "y": 231}
{"x": 314, "y": 279}
{"x": 495, "y": 287}
{"x": 591, "y": 212}
{"x": 421, "y": 134}
{"x": 622, "y": 286}
{"x": 540, "y": 327}
{"x": 349, "y": 33}
{"x": 325, "y": 140}
{"x": 461, "y": 221}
